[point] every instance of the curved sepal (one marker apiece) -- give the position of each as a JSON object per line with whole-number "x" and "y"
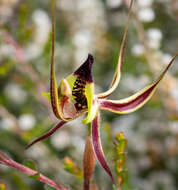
{"x": 98, "y": 148}
{"x": 117, "y": 74}
{"x": 53, "y": 84}
{"x": 135, "y": 101}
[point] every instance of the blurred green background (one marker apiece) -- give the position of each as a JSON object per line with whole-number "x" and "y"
{"x": 89, "y": 26}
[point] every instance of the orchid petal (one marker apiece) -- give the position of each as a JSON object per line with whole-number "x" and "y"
{"x": 71, "y": 79}
{"x": 48, "y": 134}
{"x": 135, "y": 101}
{"x": 64, "y": 89}
{"x": 98, "y": 148}
{"x": 117, "y": 74}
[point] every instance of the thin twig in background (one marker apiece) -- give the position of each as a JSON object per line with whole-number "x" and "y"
{"x": 4, "y": 160}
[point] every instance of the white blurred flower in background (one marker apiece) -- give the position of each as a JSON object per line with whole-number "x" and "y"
{"x": 27, "y": 121}
{"x": 15, "y": 93}
{"x": 43, "y": 26}
{"x": 166, "y": 58}
{"x": 144, "y": 3}
{"x": 137, "y": 49}
{"x": 173, "y": 127}
{"x": 6, "y": 50}
{"x": 37, "y": 152}
{"x": 113, "y": 3}
{"x": 82, "y": 41}
{"x": 6, "y": 124}
{"x": 162, "y": 179}
{"x": 61, "y": 139}
{"x": 79, "y": 143}
{"x": 41, "y": 34}
{"x": 146, "y": 14}
{"x": 124, "y": 124}
{"x": 89, "y": 28}
{"x": 174, "y": 94}
{"x": 6, "y": 9}
{"x": 154, "y": 37}
{"x": 65, "y": 5}
{"x": 131, "y": 80}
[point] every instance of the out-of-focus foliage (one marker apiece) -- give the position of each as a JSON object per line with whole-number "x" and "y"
{"x": 2, "y": 186}
{"x": 72, "y": 168}
{"x": 94, "y": 26}
{"x": 120, "y": 146}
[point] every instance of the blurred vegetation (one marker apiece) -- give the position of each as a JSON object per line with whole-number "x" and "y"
{"x": 94, "y": 26}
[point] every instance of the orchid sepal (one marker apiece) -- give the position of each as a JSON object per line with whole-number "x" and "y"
{"x": 117, "y": 75}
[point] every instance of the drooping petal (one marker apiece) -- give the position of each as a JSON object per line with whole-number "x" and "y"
{"x": 48, "y": 134}
{"x": 117, "y": 74}
{"x": 98, "y": 148}
{"x": 135, "y": 101}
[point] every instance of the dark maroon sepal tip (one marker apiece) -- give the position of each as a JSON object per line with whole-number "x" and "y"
{"x": 85, "y": 70}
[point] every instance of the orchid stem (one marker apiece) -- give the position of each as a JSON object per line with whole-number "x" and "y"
{"x": 89, "y": 130}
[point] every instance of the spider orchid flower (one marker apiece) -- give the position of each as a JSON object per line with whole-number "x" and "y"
{"x": 75, "y": 96}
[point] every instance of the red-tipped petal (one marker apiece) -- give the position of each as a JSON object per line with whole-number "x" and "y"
{"x": 48, "y": 134}
{"x": 135, "y": 101}
{"x": 98, "y": 148}
{"x": 130, "y": 104}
